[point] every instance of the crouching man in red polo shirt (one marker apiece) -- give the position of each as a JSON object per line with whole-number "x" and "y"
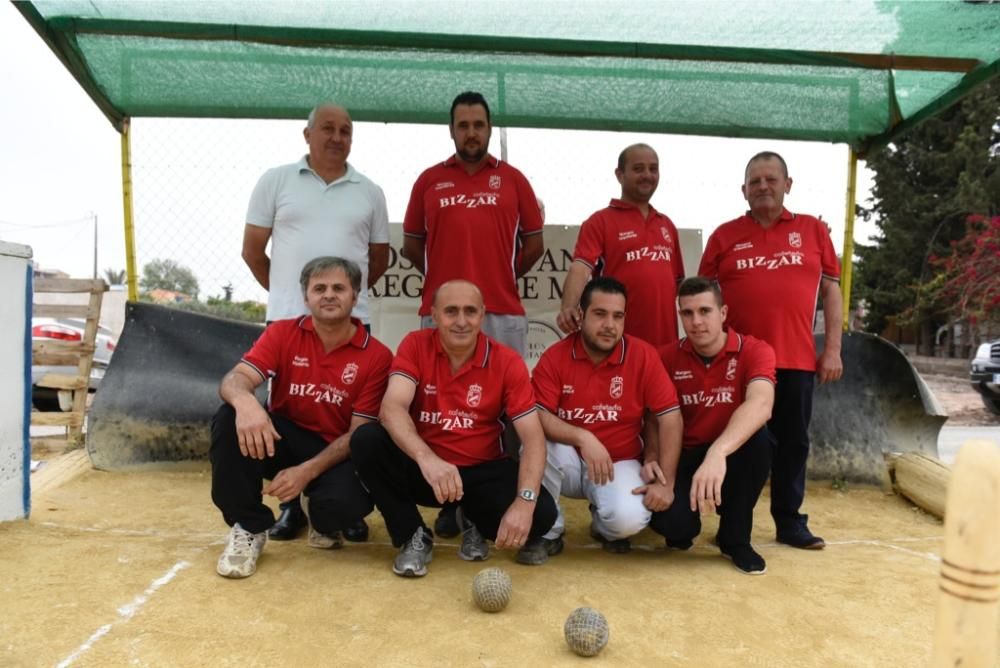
{"x": 440, "y": 438}
{"x": 327, "y": 377}
{"x": 726, "y": 384}
{"x": 594, "y": 387}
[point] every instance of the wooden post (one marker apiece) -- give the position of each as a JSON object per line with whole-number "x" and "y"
{"x": 966, "y": 631}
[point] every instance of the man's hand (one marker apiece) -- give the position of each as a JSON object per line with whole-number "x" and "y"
{"x": 569, "y": 319}
{"x": 515, "y": 525}
{"x": 442, "y": 477}
{"x": 255, "y": 432}
{"x": 829, "y": 368}
{"x": 600, "y": 468}
{"x": 289, "y": 483}
{"x": 656, "y": 496}
{"x": 651, "y": 472}
{"x": 706, "y": 484}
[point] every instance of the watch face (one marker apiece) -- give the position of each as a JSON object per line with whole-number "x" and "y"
{"x": 527, "y": 495}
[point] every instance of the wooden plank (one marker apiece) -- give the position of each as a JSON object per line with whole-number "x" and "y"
{"x": 55, "y": 359}
{"x": 81, "y": 311}
{"x": 54, "y": 419}
{"x": 61, "y": 347}
{"x": 66, "y": 285}
{"x": 60, "y": 381}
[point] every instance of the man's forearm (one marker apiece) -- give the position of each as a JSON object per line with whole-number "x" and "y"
{"x": 558, "y": 430}
{"x": 399, "y": 424}
{"x": 576, "y": 281}
{"x": 833, "y": 316}
{"x": 260, "y": 267}
{"x": 671, "y": 433}
{"x": 745, "y": 421}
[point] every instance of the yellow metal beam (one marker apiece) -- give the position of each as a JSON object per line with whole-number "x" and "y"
{"x": 133, "y": 282}
{"x": 847, "y": 260}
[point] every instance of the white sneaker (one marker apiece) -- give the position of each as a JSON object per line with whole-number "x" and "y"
{"x": 239, "y": 559}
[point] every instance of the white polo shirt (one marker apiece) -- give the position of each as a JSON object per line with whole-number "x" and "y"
{"x": 310, "y": 218}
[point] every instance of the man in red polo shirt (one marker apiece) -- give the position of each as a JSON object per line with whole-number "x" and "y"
{"x": 327, "y": 378}
{"x": 771, "y": 264}
{"x": 636, "y": 244}
{"x": 440, "y": 438}
{"x": 726, "y": 384}
{"x": 475, "y": 218}
{"x": 594, "y": 388}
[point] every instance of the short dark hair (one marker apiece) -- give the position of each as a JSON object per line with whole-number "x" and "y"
{"x": 605, "y": 284}
{"x": 623, "y": 156}
{"x": 766, "y": 155}
{"x": 470, "y": 98}
{"x": 323, "y": 264}
{"x": 695, "y": 285}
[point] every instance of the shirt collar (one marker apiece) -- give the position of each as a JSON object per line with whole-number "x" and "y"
{"x": 350, "y": 174}
{"x": 616, "y": 358}
{"x": 626, "y": 206}
{"x": 734, "y": 344}
{"x": 480, "y": 358}
{"x": 785, "y": 216}
{"x": 359, "y": 340}
{"x": 452, "y": 161}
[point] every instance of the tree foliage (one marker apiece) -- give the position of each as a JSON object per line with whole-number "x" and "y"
{"x": 927, "y": 184}
{"x": 168, "y": 275}
{"x": 114, "y": 276}
{"x": 967, "y": 285}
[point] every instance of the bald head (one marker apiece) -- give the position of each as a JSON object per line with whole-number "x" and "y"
{"x": 623, "y": 157}
{"x": 459, "y": 289}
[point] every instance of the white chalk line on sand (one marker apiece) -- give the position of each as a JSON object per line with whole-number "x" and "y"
{"x": 125, "y": 612}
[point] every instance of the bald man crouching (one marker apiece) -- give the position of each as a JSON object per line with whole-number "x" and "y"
{"x": 439, "y": 440}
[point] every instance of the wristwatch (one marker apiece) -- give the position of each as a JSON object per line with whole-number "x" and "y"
{"x": 528, "y": 495}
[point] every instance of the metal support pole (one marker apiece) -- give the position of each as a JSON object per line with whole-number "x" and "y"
{"x": 133, "y": 282}
{"x": 847, "y": 260}
{"x": 503, "y": 144}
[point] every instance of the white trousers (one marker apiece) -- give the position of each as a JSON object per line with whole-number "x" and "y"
{"x": 617, "y": 512}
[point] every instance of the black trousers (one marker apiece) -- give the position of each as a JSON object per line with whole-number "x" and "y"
{"x": 398, "y": 487}
{"x": 790, "y": 426}
{"x": 336, "y": 498}
{"x": 746, "y": 473}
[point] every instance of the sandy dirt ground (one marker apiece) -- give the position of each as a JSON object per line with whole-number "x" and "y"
{"x": 118, "y": 569}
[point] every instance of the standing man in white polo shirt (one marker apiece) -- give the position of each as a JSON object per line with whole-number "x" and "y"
{"x": 317, "y": 206}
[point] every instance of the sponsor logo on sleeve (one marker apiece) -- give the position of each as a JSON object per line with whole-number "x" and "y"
{"x": 430, "y": 389}
{"x": 743, "y": 246}
{"x": 300, "y": 361}
{"x": 567, "y": 389}
{"x": 683, "y": 374}
{"x": 441, "y": 185}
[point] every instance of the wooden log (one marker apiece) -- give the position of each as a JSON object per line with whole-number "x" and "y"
{"x": 56, "y": 419}
{"x": 969, "y": 599}
{"x": 923, "y": 480}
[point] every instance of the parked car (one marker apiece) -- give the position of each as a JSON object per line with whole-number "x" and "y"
{"x": 985, "y": 375}
{"x": 67, "y": 329}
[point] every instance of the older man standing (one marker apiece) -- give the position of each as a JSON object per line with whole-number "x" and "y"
{"x": 317, "y": 206}
{"x": 440, "y": 438}
{"x": 771, "y": 264}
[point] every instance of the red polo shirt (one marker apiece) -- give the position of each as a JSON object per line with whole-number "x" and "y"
{"x": 471, "y": 226}
{"x": 607, "y": 399}
{"x": 318, "y": 390}
{"x": 770, "y": 279}
{"x": 711, "y": 393}
{"x": 458, "y": 415}
{"x": 645, "y": 255}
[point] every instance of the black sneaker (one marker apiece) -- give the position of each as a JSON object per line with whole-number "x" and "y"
{"x": 680, "y": 545}
{"x": 358, "y": 532}
{"x": 446, "y": 524}
{"x": 538, "y": 550}
{"x": 618, "y": 546}
{"x": 745, "y": 559}
{"x": 801, "y": 538}
{"x": 290, "y": 523}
